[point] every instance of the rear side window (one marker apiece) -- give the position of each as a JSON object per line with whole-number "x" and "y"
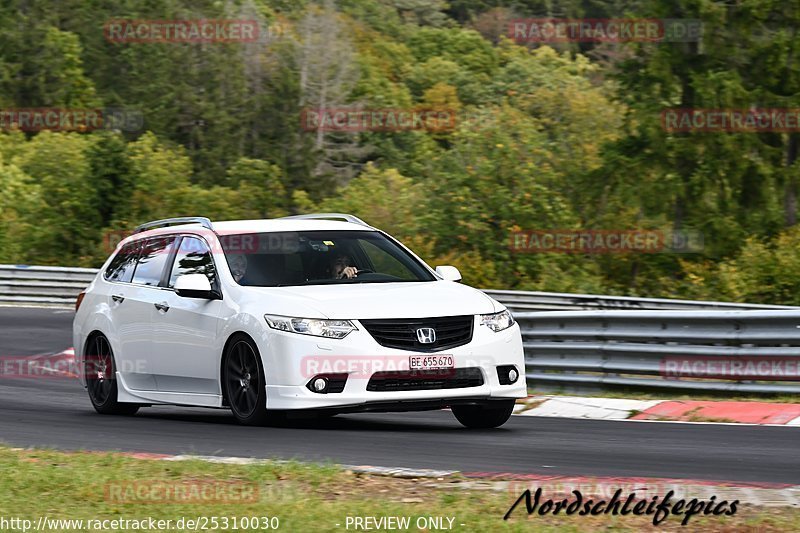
{"x": 121, "y": 267}
{"x": 193, "y": 257}
{"x": 152, "y": 260}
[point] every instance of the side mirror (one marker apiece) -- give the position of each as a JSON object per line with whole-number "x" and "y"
{"x": 449, "y": 273}
{"x": 195, "y": 286}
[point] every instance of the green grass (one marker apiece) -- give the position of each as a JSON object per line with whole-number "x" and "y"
{"x": 304, "y": 497}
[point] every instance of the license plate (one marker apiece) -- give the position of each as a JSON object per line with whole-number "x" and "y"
{"x": 431, "y": 362}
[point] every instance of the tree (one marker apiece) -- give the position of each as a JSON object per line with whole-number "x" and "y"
{"x": 20, "y": 205}
{"x": 764, "y": 271}
{"x": 161, "y": 177}
{"x": 258, "y": 188}
{"x": 58, "y": 164}
{"x": 42, "y": 66}
{"x": 110, "y": 175}
{"x": 385, "y": 199}
{"x": 327, "y": 73}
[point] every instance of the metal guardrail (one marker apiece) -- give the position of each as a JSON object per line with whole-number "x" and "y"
{"x": 43, "y": 285}
{"x": 573, "y": 339}
{"x": 736, "y": 351}
{"x": 520, "y": 301}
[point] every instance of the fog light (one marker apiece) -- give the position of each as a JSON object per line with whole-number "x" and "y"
{"x": 320, "y": 384}
{"x": 327, "y": 383}
{"x": 507, "y": 374}
{"x": 513, "y": 375}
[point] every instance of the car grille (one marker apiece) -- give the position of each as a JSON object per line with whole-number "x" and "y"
{"x": 403, "y": 380}
{"x": 451, "y": 331}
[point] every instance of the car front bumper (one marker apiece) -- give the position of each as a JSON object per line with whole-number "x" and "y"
{"x": 291, "y": 361}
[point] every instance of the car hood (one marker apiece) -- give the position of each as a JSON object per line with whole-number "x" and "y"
{"x": 375, "y": 300}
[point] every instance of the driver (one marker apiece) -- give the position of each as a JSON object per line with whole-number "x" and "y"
{"x": 238, "y": 266}
{"x": 341, "y": 267}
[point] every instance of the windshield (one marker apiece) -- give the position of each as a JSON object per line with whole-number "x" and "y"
{"x": 279, "y": 259}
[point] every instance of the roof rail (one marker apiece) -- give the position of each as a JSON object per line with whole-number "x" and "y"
{"x": 322, "y": 216}
{"x": 203, "y": 221}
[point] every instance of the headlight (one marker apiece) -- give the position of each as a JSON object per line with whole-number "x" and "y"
{"x": 334, "y": 329}
{"x": 498, "y": 321}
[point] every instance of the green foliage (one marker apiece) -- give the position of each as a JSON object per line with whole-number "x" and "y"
{"x": 42, "y": 65}
{"x": 385, "y": 198}
{"x": 465, "y": 47}
{"x": 258, "y": 188}
{"x": 561, "y": 137}
{"x": 111, "y": 175}
{"x": 20, "y": 203}
{"x": 59, "y": 75}
{"x": 161, "y": 179}
{"x": 58, "y": 164}
{"x": 764, "y": 271}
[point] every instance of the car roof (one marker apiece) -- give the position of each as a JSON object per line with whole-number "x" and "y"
{"x": 234, "y": 227}
{"x": 285, "y": 224}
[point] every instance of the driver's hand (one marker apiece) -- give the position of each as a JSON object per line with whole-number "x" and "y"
{"x": 348, "y": 272}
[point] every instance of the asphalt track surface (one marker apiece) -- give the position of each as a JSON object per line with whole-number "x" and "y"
{"x": 55, "y": 412}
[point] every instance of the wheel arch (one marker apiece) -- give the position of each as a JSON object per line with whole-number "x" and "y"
{"x": 80, "y": 354}
{"x": 231, "y": 337}
{"x": 90, "y": 337}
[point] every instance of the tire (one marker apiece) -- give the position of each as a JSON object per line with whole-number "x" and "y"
{"x": 101, "y": 382}
{"x": 489, "y": 415}
{"x": 243, "y": 382}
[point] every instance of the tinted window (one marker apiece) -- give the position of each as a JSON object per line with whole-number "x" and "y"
{"x": 193, "y": 257}
{"x": 384, "y": 259}
{"x": 121, "y": 267}
{"x": 319, "y": 258}
{"x": 152, "y": 260}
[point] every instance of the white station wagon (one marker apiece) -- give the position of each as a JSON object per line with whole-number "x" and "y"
{"x": 304, "y": 315}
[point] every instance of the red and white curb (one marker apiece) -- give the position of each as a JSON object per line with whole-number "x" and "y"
{"x": 722, "y": 412}
{"x": 60, "y": 364}
{"x": 581, "y": 407}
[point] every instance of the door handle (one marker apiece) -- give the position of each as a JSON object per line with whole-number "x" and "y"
{"x": 162, "y": 306}
{"x": 118, "y": 298}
